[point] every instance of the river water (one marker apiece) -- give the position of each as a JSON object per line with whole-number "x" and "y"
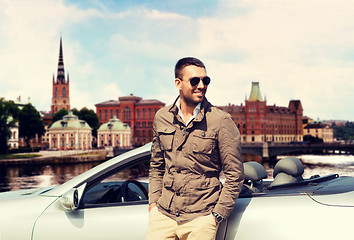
{"x": 33, "y": 176}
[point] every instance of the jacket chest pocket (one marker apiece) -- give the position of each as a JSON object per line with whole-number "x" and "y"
{"x": 166, "y": 138}
{"x": 204, "y": 142}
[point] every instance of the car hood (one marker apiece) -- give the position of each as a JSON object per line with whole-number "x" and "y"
{"x": 337, "y": 192}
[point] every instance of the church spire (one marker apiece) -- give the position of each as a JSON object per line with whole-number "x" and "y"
{"x": 61, "y": 72}
{"x": 60, "y": 97}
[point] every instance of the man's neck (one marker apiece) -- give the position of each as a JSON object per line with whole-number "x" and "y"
{"x": 187, "y": 109}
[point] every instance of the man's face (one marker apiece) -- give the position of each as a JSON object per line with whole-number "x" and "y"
{"x": 191, "y": 95}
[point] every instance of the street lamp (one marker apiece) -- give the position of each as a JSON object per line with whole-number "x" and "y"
{"x": 110, "y": 125}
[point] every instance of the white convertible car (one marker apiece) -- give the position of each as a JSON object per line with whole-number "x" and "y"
{"x": 110, "y": 202}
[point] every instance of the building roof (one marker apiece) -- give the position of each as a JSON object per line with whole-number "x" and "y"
{"x": 150, "y": 102}
{"x": 316, "y": 125}
{"x": 70, "y": 121}
{"x": 108, "y": 103}
{"x": 232, "y": 108}
{"x": 131, "y": 97}
{"x": 277, "y": 109}
{"x": 138, "y": 101}
{"x": 255, "y": 93}
{"x": 114, "y": 124}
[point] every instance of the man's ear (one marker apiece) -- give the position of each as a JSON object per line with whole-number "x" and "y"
{"x": 178, "y": 83}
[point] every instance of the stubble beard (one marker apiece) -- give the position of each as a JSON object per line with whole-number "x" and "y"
{"x": 191, "y": 101}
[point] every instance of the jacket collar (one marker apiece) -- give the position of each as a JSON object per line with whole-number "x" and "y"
{"x": 204, "y": 107}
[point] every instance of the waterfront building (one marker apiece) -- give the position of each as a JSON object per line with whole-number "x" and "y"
{"x": 259, "y": 122}
{"x": 60, "y": 93}
{"x": 320, "y": 130}
{"x": 70, "y": 133}
{"x": 114, "y": 133}
{"x": 13, "y": 141}
{"x": 138, "y": 113}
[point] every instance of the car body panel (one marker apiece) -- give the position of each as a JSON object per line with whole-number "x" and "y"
{"x": 291, "y": 218}
{"x": 18, "y": 215}
{"x": 104, "y": 223}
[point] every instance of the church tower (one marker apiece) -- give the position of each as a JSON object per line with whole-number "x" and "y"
{"x": 60, "y": 97}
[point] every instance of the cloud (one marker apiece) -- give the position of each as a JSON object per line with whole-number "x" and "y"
{"x": 155, "y": 14}
{"x": 295, "y": 49}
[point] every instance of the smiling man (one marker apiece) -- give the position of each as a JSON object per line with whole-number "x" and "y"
{"x": 193, "y": 142}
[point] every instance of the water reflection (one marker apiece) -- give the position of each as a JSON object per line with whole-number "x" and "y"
{"x": 33, "y": 176}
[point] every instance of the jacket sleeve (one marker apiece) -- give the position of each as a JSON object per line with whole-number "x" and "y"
{"x": 157, "y": 167}
{"x": 232, "y": 166}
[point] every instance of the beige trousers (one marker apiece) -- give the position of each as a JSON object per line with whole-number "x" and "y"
{"x": 162, "y": 227}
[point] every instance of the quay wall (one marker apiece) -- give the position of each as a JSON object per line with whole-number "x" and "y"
{"x": 81, "y": 158}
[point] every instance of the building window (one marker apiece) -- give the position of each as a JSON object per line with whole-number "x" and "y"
{"x": 105, "y": 115}
{"x": 100, "y": 114}
{"x": 144, "y": 113}
{"x": 138, "y": 114}
{"x": 64, "y": 92}
{"x": 117, "y": 113}
{"x": 150, "y": 113}
{"x": 111, "y": 113}
{"x": 127, "y": 113}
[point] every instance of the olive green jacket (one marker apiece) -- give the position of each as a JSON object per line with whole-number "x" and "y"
{"x": 187, "y": 160}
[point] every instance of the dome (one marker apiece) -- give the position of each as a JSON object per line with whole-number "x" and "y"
{"x": 255, "y": 93}
{"x": 70, "y": 121}
{"x": 114, "y": 124}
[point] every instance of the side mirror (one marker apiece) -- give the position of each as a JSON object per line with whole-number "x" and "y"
{"x": 70, "y": 200}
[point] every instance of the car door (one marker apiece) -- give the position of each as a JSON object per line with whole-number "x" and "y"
{"x": 114, "y": 205}
{"x": 104, "y": 223}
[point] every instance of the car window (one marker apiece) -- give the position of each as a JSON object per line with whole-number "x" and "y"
{"x": 125, "y": 185}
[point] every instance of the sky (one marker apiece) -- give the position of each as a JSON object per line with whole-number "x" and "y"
{"x": 295, "y": 49}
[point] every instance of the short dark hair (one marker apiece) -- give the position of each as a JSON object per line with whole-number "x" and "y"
{"x": 187, "y": 61}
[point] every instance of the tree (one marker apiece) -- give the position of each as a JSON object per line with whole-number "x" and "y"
{"x": 75, "y": 111}
{"x": 312, "y": 139}
{"x": 8, "y": 118}
{"x": 59, "y": 115}
{"x": 91, "y": 118}
{"x": 345, "y": 132}
{"x": 85, "y": 114}
{"x": 30, "y": 123}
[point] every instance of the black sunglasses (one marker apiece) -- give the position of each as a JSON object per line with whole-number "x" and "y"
{"x": 194, "y": 81}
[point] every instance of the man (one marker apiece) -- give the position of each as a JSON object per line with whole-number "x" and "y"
{"x": 193, "y": 141}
